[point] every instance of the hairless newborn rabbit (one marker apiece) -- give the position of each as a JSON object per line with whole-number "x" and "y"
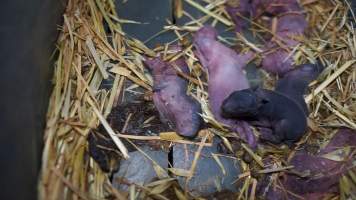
{"x": 177, "y": 109}
{"x": 226, "y": 75}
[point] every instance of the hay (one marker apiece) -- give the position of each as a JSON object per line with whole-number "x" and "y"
{"x": 78, "y": 104}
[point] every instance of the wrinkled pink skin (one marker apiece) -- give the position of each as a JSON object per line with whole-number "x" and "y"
{"x": 325, "y": 173}
{"x": 288, "y": 12}
{"x": 276, "y": 59}
{"x": 290, "y": 22}
{"x": 243, "y": 9}
{"x": 176, "y": 108}
{"x": 273, "y": 7}
{"x": 225, "y": 69}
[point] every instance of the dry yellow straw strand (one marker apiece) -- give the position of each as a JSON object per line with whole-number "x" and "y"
{"x": 208, "y": 12}
{"x": 329, "y": 80}
{"x": 341, "y": 116}
{"x": 92, "y": 50}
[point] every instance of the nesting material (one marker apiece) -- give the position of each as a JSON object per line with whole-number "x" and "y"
{"x": 93, "y": 50}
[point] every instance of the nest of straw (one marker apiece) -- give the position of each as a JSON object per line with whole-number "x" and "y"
{"x": 91, "y": 37}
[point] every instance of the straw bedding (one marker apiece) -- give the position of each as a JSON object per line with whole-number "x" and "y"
{"x": 92, "y": 49}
